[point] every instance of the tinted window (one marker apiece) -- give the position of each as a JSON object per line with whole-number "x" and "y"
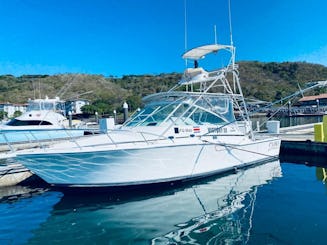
{"x": 16, "y": 122}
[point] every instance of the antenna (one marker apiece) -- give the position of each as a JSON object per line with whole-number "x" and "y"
{"x": 40, "y": 88}
{"x": 215, "y": 30}
{"x": 230, "y": 23}
{"x": 185, "y": 30}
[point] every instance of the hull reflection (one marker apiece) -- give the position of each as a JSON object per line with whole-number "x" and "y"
{"x": 229, "y": 220}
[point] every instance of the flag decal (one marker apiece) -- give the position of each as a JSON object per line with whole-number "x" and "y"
{"x": 196, "y": 129}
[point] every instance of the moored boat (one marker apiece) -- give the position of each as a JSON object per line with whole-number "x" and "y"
{"x": 43, "y": 120}
{"x": 198, "y": 128}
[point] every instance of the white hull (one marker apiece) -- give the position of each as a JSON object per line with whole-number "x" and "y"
{"x": 146, "y": 165}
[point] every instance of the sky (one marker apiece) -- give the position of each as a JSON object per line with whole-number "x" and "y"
{"x": 135, "y": 37}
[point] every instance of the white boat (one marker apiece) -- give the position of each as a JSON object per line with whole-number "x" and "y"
{"x": 189, "y": 132}
{"x": 43, "y": 120}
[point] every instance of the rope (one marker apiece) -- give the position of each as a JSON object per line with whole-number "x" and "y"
{"x": 236, "y": 148}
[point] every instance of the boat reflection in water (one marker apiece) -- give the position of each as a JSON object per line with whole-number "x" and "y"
{"x": 227, "y": 211}
{"x": 218, "y": 209}
{"x": 321, "y": 174}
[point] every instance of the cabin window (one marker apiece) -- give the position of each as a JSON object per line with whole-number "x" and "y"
{"x": 145, "y": 116}
{"x": 16, "y": 122}
{"x": 223, "y": 107}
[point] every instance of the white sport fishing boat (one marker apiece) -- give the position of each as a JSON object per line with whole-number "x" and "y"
{"x": 43, "y": 120}
{"x": 198, "y": 128}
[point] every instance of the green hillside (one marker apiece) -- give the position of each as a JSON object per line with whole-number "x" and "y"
{"x": 264, "y": 81}
{"x": 273, "y": 81}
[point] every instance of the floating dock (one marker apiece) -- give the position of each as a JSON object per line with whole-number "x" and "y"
{"x": 298, "y": 145}
{"x": 304, "y": 147}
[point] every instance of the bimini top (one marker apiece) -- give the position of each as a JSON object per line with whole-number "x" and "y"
{"x": 200, "y": 52}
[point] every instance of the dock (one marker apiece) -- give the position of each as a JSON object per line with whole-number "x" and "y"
{"x": 297, "y": 133}
{"x": 300, "y": 140}
{"x": 298, "y": 145}
{"x": 293, "y": 133}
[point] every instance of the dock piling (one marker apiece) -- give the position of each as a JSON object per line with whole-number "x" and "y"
{"x": 319, "y": 132}
{"x": 324, "y": 125}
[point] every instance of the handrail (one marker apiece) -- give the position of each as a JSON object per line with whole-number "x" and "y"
{"x": 31, "y": 136}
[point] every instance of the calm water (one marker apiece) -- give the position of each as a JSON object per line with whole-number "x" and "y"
{"x": 268, "y": 204}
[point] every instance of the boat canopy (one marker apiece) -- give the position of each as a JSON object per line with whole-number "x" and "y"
{"x": 200, "y": 52}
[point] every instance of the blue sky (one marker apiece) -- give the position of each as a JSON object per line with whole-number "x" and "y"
{"x": 123, "y": 37}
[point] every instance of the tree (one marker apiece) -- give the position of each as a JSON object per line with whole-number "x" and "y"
{"x": 134, "y": 102}
{"x": 17, "y": 113}
{"x": 3, "y": 115}
{"x": 89, "y": 109}
{"x": 278, "y": 95}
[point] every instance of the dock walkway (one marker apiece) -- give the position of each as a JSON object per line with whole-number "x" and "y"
{"x": 297, "y": 133}
{"x": 298, "y": 145}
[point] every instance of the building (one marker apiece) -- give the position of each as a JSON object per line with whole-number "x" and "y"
{"x": 314, "y": 100}
{"x": 11, "y": 108}
{"x": 75, "y": 106}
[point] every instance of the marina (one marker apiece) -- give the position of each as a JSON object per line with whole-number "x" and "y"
{"x": 229, "y": 206}
{"x": 218, "y": 152}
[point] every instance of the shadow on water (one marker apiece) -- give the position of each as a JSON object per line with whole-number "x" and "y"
{"x": 311, "y": 160}
{"x": 219, "y": 208}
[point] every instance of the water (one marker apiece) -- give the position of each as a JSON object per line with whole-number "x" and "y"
{"x": 271, "y": 203}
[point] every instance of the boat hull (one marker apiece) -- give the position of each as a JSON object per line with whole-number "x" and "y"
{"x": 127, "y": 167}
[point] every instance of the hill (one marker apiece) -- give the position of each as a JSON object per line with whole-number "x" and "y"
{"x": 273, "y": 81}
{"x": 265, "y": 81}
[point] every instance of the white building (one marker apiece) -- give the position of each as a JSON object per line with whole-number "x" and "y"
{"x": 75, "y": 106}
{"x": 11, "y": 108}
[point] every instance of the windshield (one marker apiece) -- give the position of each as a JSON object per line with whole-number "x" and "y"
{"x": 190, "y": 111}
{"x": 45, "y": 105}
